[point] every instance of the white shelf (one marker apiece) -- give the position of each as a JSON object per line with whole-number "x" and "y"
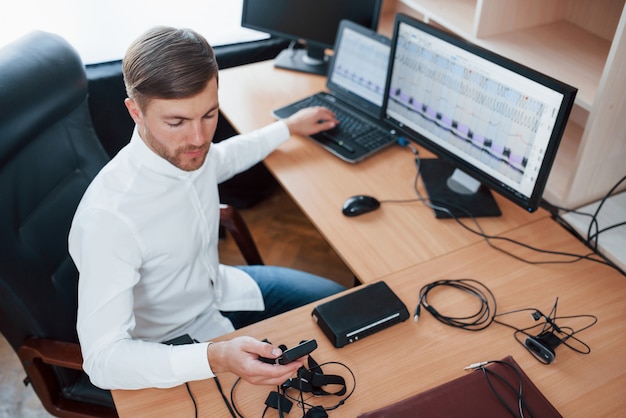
{"x": 560, "y": 50}
{"x": 454, "y": 15}
{"x": 565, "y": 161}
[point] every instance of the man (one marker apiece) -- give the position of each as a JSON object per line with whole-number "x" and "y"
{"x": 144, "y": 237}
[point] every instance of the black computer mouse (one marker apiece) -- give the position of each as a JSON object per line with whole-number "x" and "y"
{"x": 360, "y": 204}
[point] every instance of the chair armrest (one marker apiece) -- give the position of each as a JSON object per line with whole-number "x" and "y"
{"x": 38, "y": 356}
{"x": 56, "y": 353}
{"x": 231, "y": 220}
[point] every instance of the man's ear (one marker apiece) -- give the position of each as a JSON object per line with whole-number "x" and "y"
{"x": 134, "y": 111}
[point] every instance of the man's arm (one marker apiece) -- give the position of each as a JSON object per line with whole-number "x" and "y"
{"x": 251, "y": 148}
{"x": 108, "y": 258}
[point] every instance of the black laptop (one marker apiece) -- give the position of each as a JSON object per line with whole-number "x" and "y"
{"x": 356, "y": 84}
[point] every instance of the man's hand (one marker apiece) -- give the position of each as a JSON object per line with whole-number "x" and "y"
{"x": 241, "y": 357}
{"x": 311, "y": 120}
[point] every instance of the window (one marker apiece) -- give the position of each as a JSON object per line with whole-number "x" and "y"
{"x": 102, "y": 30}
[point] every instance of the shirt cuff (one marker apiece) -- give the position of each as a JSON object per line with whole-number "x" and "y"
{"x": 277, "y": 132}
{"x": 190, "y": 361}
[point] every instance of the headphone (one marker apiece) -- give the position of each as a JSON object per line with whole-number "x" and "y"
{"x": 543, "y": 345}
{"x": 312, "y": 380}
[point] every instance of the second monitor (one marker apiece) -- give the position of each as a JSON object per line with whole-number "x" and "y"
{"x": 493, "y": 122}
{"x": 314, "y": 22}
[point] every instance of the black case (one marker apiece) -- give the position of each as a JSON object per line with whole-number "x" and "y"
{"x": 358, "y": 314}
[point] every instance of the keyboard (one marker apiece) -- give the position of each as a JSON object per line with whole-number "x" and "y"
{"x": 351, "y": 128}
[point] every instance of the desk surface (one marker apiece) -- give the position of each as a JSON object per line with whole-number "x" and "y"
{"x": 394, "y": 237}
{"x": 407, "y": 247}
{"x": 409, "y": 358}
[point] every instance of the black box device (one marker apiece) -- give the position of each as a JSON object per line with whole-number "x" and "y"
{"x": 358, "y": 314}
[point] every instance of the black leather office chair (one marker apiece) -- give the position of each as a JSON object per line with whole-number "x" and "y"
{"x": 49, "y": 153}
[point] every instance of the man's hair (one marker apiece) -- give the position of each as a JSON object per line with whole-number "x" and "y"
{"x": 168, "y": 63}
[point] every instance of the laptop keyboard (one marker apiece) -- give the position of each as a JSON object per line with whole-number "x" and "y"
{"x": 351, "y": 128}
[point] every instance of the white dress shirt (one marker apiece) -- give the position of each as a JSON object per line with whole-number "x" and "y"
{"x": 144, "y": 239}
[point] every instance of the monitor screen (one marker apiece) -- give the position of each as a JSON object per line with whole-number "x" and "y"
{"x": 359, "y": 65}
{"x": 315, "y": 22}
{"x": 495, "y": 124}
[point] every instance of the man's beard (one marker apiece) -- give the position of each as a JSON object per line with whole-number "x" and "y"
{"x": 176, "y": 157}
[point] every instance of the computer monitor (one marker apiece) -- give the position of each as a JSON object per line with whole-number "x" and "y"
{"x": 494, "y": 124}
{"x": 315, "y": 22}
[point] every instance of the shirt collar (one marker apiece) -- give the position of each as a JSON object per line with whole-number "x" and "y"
{"x": 155, "y": 162}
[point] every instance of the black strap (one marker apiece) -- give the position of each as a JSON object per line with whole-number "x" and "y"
{"x": 313, "y": 381}
{"x": 316, "y": 412}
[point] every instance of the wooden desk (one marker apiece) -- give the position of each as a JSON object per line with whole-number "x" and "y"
{"x": 409, "y": 358}
{"x": 407, "y": 247}
{"x": 388, "y": 240}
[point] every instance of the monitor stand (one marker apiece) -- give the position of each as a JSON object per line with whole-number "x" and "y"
{"x": 451, "y": 188}
{"x": 300, "y": 60}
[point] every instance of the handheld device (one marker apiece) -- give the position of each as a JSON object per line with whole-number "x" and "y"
{"x": 293, "y": 353}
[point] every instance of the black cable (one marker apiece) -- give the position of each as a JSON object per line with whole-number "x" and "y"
{"x": 304, "y": 404}
{"x": 264, "y": 411}
{"x": 300, "y": 399}
{"x": 574, "y": 232}
{"x": 489, "y": 238}
{"x": 519, "y": 393}
{"x": 607, "y": 228}
{"x": 474, "y": 322}
{"x": 592, "y": 239}
{"x": 193, "y": 399}
{"x": 219, "y": 388}
{"x": 278, "y": 402}
{"x": 562, "y": 332}
{"x": 595, "y": 215}
{"x": 495, "y": 392}
{"x": 232, "y": 397}
{"x": 405, "y": 143}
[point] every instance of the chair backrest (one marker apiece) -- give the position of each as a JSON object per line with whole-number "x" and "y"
{"x": 49, "y": 153}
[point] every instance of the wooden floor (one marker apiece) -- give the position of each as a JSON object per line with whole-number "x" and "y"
{"x": 285, "y": 237}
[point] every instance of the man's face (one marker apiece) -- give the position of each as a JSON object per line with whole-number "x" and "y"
{"x": 179, "y": 130}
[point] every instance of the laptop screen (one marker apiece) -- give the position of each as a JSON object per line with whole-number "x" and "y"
{"x": 359, "y": 67}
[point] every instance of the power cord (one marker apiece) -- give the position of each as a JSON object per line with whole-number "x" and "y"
{"x": 593, "y": 232}
{"x": 489, "y": 239}
{"x": 594, "y": 222}
{"x": 518, "y": 393}
{"x": 228, "y": 405}
{"x": 474, "y": 322}
{"x": 193, "y": 399}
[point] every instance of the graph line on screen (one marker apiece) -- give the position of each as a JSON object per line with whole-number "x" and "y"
{"x": 493, "y": 122}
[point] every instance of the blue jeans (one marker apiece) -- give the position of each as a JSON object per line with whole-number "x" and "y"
{"x": 283, "y": 289}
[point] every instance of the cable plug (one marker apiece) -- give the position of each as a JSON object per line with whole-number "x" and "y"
{"x": 278, "y": 401}
{"x": 432, "y": 310}
{"x": 475, "y": 366}
{"x": 416, "y": 315}
{"x": 403, "y": 142}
